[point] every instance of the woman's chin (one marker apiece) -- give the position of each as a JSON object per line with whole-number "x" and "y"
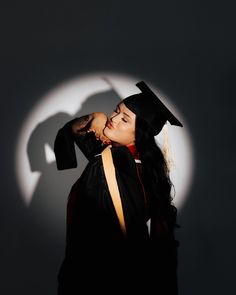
{"x": 107, "y": 132}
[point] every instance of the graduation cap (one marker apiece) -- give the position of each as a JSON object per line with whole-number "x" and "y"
{"x": 149, "y": 107}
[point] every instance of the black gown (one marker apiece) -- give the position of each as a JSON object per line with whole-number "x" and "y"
{"x": 98, "y": 258}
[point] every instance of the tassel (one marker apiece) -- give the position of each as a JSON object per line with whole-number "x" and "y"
{"x": 166, "y": 149}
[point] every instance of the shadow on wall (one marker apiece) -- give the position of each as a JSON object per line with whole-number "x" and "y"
{"x": 42, "y": 240}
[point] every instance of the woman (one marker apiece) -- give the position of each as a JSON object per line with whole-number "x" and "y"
{"x": 98, "y": 251}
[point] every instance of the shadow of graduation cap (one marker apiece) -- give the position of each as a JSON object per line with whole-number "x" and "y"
{"x": 149, "y": 107}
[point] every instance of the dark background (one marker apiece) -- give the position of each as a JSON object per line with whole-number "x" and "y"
{"x": 185, "y": 48}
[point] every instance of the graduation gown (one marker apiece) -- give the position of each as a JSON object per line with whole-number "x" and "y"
{"x": 96, "y": 250}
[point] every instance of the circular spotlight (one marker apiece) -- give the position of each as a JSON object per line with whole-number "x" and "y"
{"x": 34, "y": 150}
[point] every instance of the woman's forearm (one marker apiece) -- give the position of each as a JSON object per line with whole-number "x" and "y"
{"x": 82, "y": 124}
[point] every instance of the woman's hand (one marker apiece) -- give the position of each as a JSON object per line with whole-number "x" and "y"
{"x": 97, "y": 126}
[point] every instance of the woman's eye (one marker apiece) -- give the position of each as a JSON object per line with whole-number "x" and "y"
{"x": 124, "y": 120}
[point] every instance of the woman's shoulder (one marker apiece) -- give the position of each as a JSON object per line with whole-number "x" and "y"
{"x": 123, "y": 160}
{"x": 121, "y": 156}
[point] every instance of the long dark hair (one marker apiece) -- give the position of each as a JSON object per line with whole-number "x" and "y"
{"x": 155, "y": 175}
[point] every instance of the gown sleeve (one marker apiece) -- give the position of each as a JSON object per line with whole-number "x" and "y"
{"x": 74, "y": 132}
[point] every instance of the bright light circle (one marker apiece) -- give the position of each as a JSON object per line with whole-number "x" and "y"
{"x": 68, "y": 98}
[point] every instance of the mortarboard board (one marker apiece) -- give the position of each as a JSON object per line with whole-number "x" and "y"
{"x": 150, "y": 108}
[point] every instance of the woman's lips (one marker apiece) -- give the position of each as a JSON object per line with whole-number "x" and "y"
{"x": 109, "y": 125}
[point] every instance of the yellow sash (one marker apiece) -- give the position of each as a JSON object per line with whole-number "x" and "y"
{"x": 110, "y": 175}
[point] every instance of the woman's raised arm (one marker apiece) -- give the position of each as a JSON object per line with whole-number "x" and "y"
{"x": 86, "y": 132}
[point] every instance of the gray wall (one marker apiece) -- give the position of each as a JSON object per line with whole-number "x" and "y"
{"x": 187, "y": 49}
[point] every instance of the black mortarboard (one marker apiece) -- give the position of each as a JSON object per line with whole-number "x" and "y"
{"x": 149, "y": 107}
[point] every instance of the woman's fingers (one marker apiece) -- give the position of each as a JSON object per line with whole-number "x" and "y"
{"x": 100, "y": 135}
{"x": 105, "y": 139}
{"x": 90, "y": 130}
{"x": 95, "y": 133}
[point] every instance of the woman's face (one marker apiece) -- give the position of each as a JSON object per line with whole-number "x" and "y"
{"x": 120, "y": 127}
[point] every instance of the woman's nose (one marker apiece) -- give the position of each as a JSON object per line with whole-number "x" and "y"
{"x": 114, "y": 118}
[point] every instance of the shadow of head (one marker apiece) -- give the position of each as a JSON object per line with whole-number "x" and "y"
{"x": 44, "y": 134}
